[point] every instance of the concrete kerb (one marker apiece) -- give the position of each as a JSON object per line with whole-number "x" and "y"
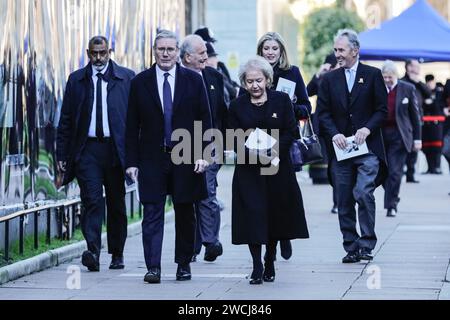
{"x": 59, "y": 256}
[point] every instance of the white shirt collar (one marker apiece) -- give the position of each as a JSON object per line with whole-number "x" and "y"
{"x": 160, "y": 73}
{"x": 94, "y": 72}
{"x": 393, "y": 87}
{"x": 355, "y": 67}
{"x": 199, "y": 72}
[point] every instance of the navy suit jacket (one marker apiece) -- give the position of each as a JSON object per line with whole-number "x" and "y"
{"x": 76, "y": 114}
{"x": 145, "y": 135}
{"x": 366, "y": 106}
{"x": 214, "y": 87}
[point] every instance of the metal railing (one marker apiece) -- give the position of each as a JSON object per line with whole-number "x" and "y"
{"x": 63, "y": 218}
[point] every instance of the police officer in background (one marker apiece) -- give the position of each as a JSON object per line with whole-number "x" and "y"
{"x": 433, "y": 126}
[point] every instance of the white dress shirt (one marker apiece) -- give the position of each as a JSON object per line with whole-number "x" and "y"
{"x": 160, "y": 80}
{"x": 352, "y": 70}
{"x": 105, "y": 118}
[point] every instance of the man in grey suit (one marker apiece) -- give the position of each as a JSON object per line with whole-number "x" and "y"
{"x": 352, "y": 102}
{"x": 401, "y": 133}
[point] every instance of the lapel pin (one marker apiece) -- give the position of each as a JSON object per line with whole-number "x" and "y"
{"x": 274, "y": 116}
{"x": 361, "y": 80}
{"x": 212, "y": 87}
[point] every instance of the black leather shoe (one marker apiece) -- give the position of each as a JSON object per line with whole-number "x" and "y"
{"x": 256, "y": 281}
{"x": 184, "y": 272}
{"x": 117, "y": 262}
{"x": 269, "y": 271}
{"x": 212, "y": 251}
{"x": 366, "y": 254}
{"x": 434, "y": 171}
{"x": 392, "y": 213}
{"x": 351, "y": 257}
{"x": 90, "y": 260}
{"x": 334, "y": 210}
{"x": 412, "y": 180}
{"x": 286, "y": 249}
{"x": 153, "y": 275}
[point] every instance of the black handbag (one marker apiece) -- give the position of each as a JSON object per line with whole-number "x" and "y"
{"x": 310, "y": 149}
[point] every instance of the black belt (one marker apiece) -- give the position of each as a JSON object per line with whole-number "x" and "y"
{"x": 100, "y": 140}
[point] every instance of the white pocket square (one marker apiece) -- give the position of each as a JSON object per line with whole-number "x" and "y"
{"x": 405, "y": 101}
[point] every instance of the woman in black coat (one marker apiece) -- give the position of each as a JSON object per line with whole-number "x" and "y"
{"x": 265, "y": 208}
{"x": 272, "y": 47}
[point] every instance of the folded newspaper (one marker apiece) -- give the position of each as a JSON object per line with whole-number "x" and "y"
{"x": 352, "y": 150}
{"x": 260, "y": 140}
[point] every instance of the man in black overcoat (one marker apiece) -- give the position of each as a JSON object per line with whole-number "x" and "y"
{"x": 91, "y": 147}
{"x": 164, "y": 100}
{"x": 193, "y": 54}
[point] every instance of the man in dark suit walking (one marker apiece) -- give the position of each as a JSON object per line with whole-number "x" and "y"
{"x": 401, "y": 132}
{"x": 164, "y": 99}
{"x": 193, "y": 54}
{"x": 91, "y": 147}
{"x": 352, "y": 102}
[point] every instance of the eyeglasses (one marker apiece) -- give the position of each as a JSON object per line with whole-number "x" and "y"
{"x": 169, "y": 50}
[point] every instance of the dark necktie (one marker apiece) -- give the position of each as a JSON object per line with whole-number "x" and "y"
{"x": 167, "y": 104}
{"x": 99, "y": 112}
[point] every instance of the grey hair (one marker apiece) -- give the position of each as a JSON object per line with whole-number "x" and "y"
{"x": 96, "y": 40}
{"x": 389, "y": 67}
{"x": 165, "y": 34}
{"x": 351, "y": 35}
{"x": 187, "y": 46}
{"x": 256, "y": 63}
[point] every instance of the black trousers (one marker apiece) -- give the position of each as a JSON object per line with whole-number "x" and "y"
{"x": 433, "y": 156}
{"x": 94, "y": 170}
{"x": 411, "y": 160}
{"x": 153, "y": 226}
{"x": 396, "y": 156}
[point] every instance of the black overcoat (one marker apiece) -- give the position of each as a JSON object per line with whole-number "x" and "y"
{"x": 266, "y": 207}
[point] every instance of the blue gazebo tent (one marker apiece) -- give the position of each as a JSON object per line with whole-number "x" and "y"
{"x": 417, "y": 33}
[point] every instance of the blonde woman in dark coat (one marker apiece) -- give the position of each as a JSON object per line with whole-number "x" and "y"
{"x": 265, "y": 208}
{"x": 271, "y": 46}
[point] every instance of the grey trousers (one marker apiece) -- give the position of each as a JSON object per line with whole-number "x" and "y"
{"x": 355, "y": 183}
{"x": 396, "y": 157}
{"x": 208, "y": 212}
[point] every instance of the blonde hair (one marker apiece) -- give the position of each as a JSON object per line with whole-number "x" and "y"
{"x": 284, "y": 60}
{"x": 256, "y": 63}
